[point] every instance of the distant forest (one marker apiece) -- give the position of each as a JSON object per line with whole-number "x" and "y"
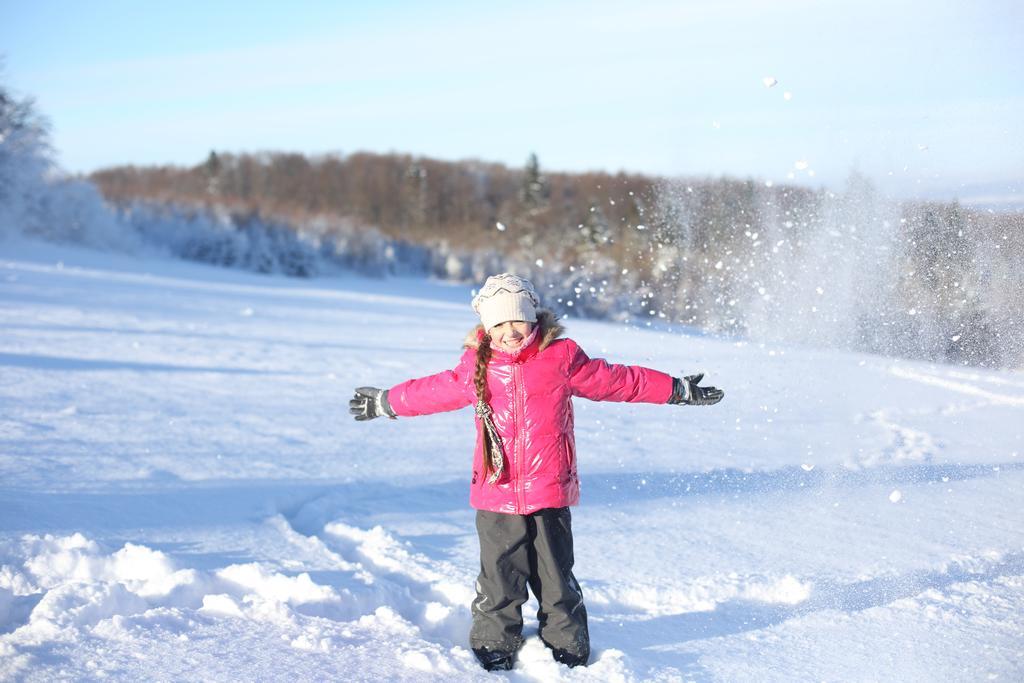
{"x": 768, "y": 264}
{"x": 772, "y": 263}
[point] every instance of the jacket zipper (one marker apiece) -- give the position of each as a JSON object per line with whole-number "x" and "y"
{"x": 519, "y": 408}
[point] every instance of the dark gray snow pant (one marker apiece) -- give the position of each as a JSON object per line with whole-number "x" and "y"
{"x": 533, "y": 550}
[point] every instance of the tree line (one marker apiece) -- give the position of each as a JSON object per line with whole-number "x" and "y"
{"x": 849, "y": 268}
{"x": 920, "y": 279}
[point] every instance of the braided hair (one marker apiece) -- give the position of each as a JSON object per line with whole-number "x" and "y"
{"x": 483, "y": 357}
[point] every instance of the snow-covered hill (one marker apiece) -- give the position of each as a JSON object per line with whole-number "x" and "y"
{"x": 183, "y": 495}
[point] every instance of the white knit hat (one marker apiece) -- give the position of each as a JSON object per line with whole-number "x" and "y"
{"x": 506, "y": 297}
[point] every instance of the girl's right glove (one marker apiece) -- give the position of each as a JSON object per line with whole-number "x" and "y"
{"x": 370, "y": 402}
{"x": 686, "y": 391}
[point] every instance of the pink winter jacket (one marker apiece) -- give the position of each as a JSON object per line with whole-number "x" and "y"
{"x": 531, "y": 396}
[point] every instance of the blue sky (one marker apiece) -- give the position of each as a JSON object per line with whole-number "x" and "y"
{"x": 923, "y": 97}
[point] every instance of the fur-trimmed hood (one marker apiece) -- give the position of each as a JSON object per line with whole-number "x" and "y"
{"x": 550, "y": 330}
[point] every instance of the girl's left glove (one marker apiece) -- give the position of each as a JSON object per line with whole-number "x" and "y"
{"x": 686, "y": 391}
{"x": 370, "y": 402}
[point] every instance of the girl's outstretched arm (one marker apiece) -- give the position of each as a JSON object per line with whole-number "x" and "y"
{"x": 437, "y": 393}
{"x": 599, "y": 380}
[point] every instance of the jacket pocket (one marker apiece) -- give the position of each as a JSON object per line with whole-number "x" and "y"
{"x": 568, "y": 459}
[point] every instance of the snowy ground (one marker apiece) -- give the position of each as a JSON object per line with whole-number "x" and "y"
{"x": 183, "y": 495}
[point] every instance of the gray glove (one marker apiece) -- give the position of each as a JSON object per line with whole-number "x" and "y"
{"x": 686, "y": 391}
{"x": 370, "y": 402}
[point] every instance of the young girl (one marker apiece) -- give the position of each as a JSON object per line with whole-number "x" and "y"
{"x": 521, "y": 376}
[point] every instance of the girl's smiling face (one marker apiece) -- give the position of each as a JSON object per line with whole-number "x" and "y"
{"x": 509, "y": 336}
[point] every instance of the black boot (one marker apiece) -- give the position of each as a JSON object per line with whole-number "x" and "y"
{"x": 494, "y": 660}
{"x": 570, "y": 659}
